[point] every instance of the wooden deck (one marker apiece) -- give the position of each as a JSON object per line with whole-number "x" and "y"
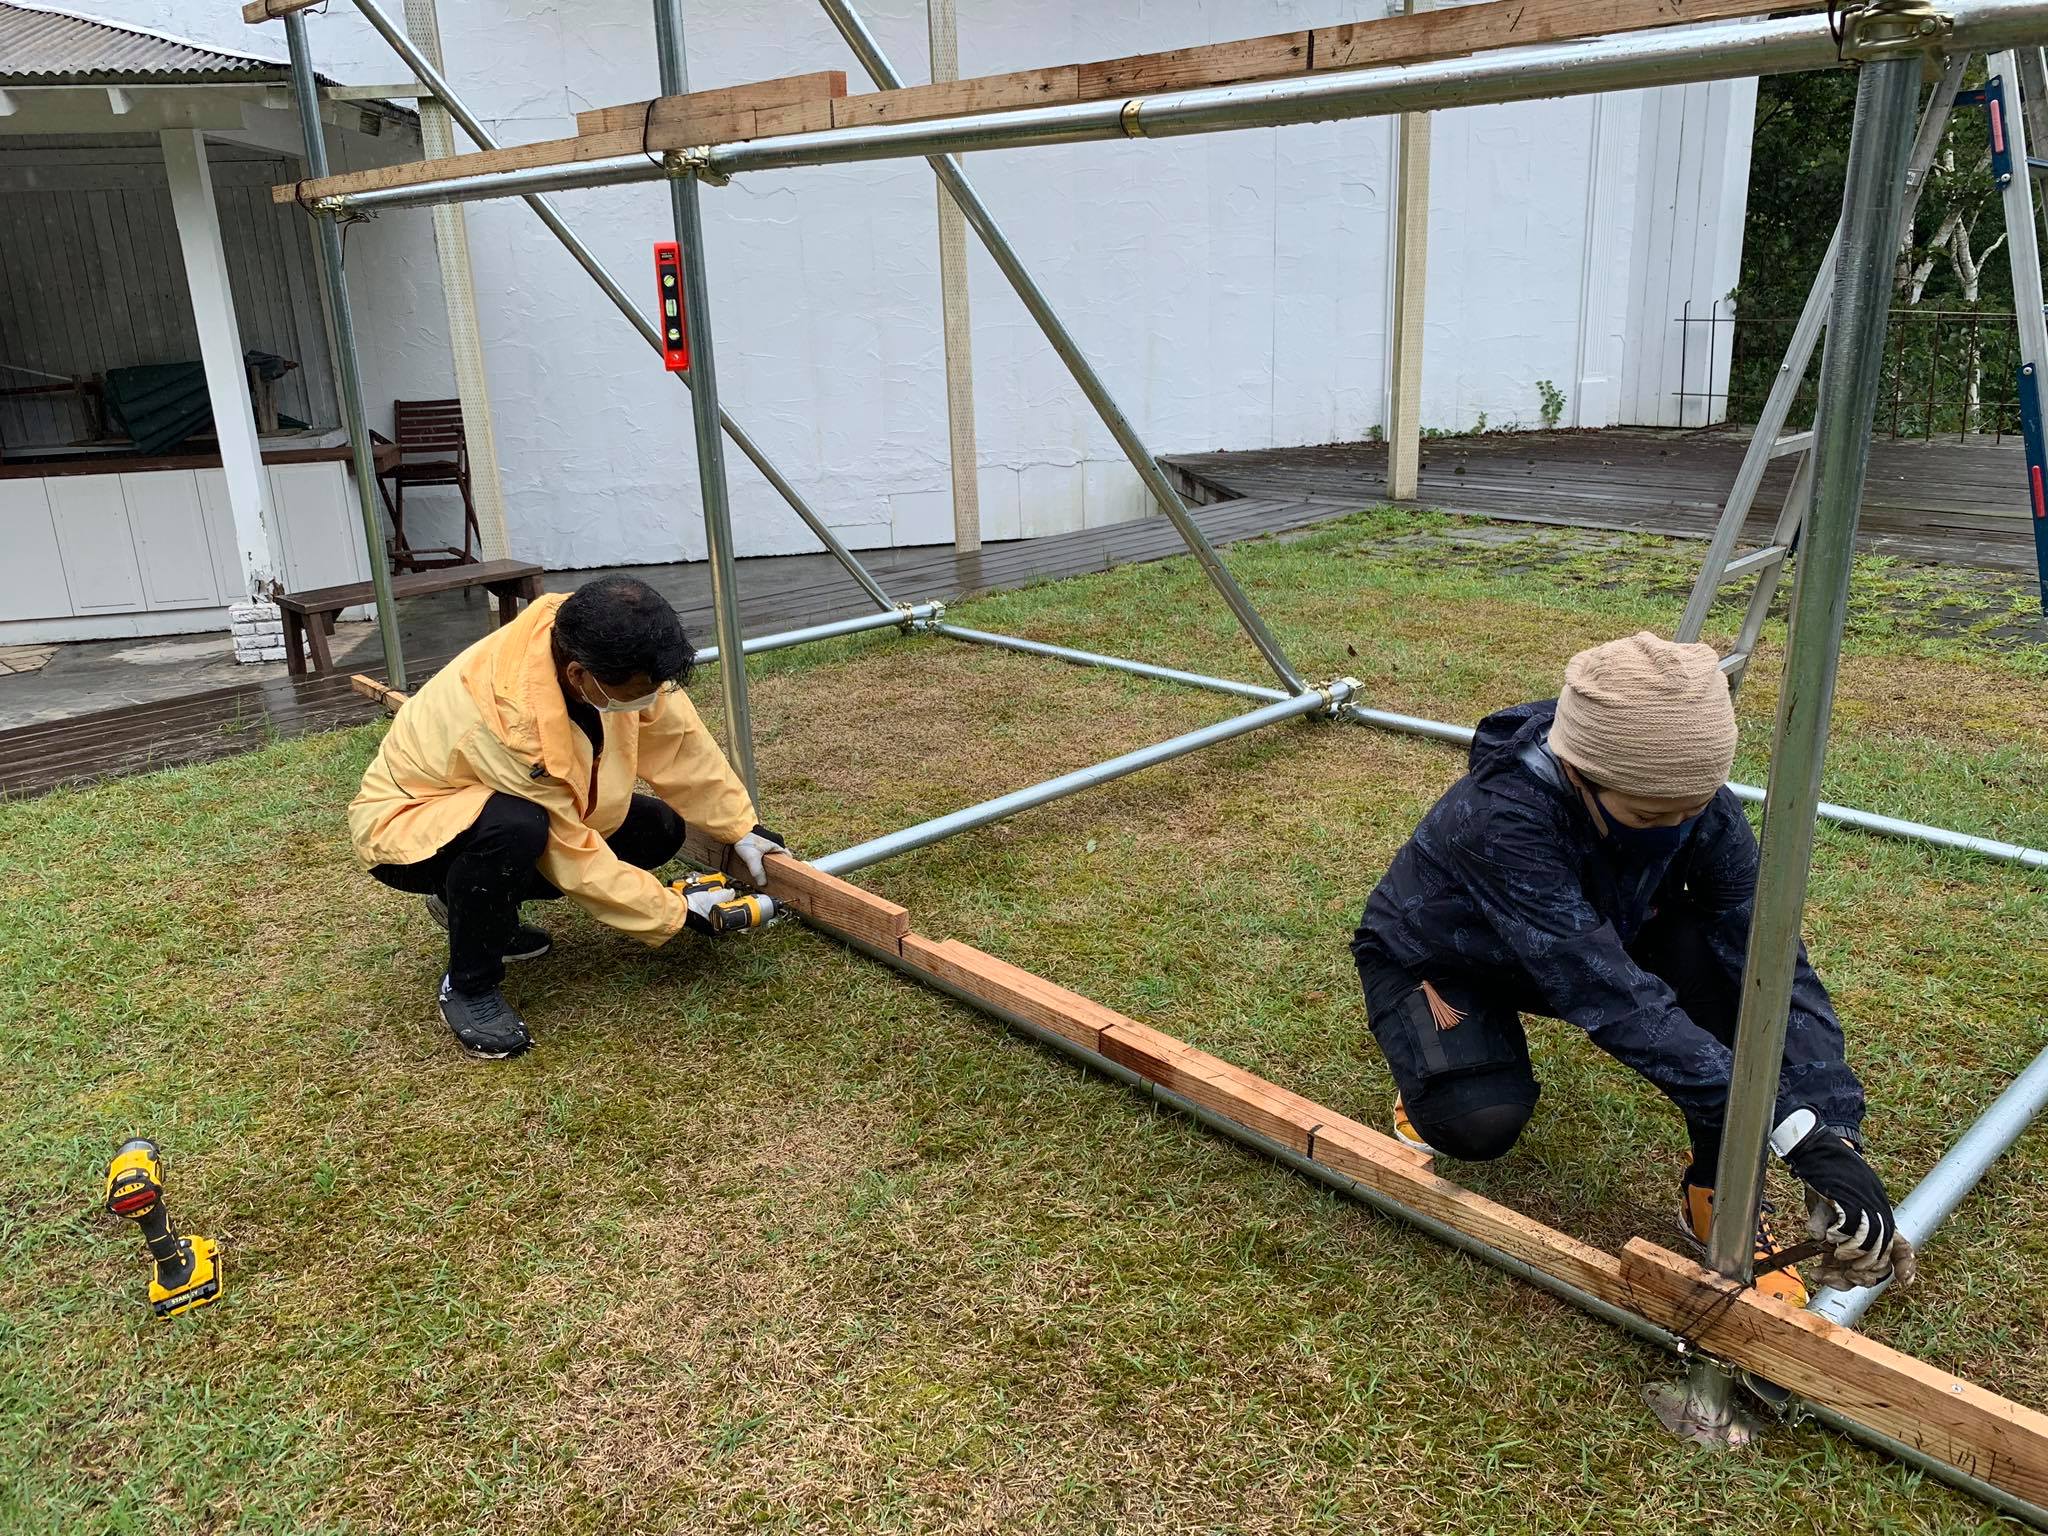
{"x": 778, "y": 593}
{"x": 1942, "y": 502}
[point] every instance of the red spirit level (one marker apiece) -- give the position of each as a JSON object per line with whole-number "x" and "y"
{"x": 675, "y": 330}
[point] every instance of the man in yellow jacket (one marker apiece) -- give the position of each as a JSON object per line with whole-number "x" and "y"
{"x": 510, "y": 777}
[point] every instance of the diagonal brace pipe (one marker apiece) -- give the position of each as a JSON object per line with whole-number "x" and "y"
{"x": 961, "y": 190}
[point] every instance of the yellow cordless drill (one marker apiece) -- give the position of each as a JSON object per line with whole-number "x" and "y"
{"x": 734, "y": 911}
{"x": 186, "y": 1271}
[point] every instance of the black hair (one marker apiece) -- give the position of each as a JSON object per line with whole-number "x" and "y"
{"x": 619, "y": 629}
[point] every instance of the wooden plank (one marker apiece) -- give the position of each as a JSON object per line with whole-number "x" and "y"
{"x": 382, "y": 693}
{"x": 1981, "y": 1433}
{"x": 1031, "y": 997}
{"x": 515, "y": 157}
{"x": 1215, "y": 1084}
{"x": 1369, "y": 1159}
{"x": 1433, "y": 34}
{"x": 819, "y": 898}
{"x": 1253, "y": 58}
{"x": 270, "y": 10}
{"x": 980, "y": 93}
{"x": 825, "y": 83}
{"x": 1510, "y": 23}
{"x": 673, "y": 132}
{"x": 833, "y": 903}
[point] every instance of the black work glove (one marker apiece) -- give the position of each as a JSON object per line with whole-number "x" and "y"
{"x": 1847, "y": 1206}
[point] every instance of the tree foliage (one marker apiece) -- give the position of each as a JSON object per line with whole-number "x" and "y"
{"x": 1945, "y": 371}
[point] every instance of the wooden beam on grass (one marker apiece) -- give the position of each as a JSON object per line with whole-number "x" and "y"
{"x": 1030, "y": 997}
{"x": 1275, "y": 1113}
{"x": 1954, "y": 1421}
{"x": 1917, "y": 1404}
{"x": 823, "y": 899}
{"x": 1393, "y": 40}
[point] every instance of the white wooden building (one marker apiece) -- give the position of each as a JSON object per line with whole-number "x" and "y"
{"x": 1233, "y": 289}
{"x": 137, "y": 231}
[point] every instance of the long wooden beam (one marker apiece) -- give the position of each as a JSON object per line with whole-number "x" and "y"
{"x": 1951, "y": 1420}
{"x": 794, "y": 104}
{"x": 674, "y": 123}
{"x": 1945, "y": 1417}
{"x": 257, "y": 11}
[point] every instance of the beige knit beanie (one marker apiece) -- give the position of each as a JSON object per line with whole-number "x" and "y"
{"x": 1647, "y": 716}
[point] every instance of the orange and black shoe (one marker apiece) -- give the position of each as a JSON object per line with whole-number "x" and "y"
{"x": 1405, "y": 1132}
{"x": 1696, "y": 1218}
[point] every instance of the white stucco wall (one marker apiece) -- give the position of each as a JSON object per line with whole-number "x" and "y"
{"x": 1232, "y": 288}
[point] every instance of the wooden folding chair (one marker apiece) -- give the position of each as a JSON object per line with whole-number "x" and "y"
{"x": 431, "y": 451}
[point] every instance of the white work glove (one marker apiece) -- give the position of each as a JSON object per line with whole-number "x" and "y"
{"x": 701, "y": 902}
{"x": 755, "y": 847}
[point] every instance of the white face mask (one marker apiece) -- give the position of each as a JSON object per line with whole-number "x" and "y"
{"x": 605, "y": 704}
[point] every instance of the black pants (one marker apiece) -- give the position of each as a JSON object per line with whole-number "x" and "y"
{"x": 1469, "y": 1088}
{"x": 485, "y": 871}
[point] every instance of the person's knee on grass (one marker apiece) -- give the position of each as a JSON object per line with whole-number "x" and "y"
{"x": 1593, "y": 866}
{"x": 512, "y": 776}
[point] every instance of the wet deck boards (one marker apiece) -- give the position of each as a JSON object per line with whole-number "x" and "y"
{"x": 1944, "y": 502}
{"x": 778, "y": 593}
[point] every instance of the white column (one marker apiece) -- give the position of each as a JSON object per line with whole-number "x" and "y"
{"x": 945, "y": 38}
{"x": 220, "y": 350}
{"x": 451, "y": 244}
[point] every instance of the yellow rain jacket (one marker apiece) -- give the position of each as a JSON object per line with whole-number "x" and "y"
{"x": 494, "y": 721}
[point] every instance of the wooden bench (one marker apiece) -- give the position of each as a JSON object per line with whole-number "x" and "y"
{"x": 309, "y": 616}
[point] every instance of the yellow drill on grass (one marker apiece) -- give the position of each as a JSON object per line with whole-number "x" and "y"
{"x": 186, "y": 1270}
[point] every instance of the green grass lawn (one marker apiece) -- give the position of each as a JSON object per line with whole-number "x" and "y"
{"x": 763, "y": 1236}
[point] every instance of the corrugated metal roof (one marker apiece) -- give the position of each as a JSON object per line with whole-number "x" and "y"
{"x": 43, "y": 47}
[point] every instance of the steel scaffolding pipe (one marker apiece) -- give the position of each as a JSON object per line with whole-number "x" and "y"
{"x": 1934, "y": 1199}
{"x": 1114, "y": 663}
{"x": 900, "y": 618}
{"x": 1676, "y": 55}
{"x": 1141, "y": 458}
{"x": 704, "y": 416}
{"x": 306, "y": 96}
{"x": 424, "y": 71}
{"x": 860, "y": 855}
{"x": 1461, "y": 736}
{"x": 1879, "y": 140}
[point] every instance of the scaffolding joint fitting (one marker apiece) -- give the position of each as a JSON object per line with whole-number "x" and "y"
{"x": 1887, "y": 29}
{"x": 918, "y": 618}
{"x": 1337, "y": 693}
{"x": 1127, "y": 119}
{"x": 694, "y": 161}
{"x": 331, "y": 206}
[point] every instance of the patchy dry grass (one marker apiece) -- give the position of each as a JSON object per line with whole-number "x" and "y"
{"x": 763, "y": 1237}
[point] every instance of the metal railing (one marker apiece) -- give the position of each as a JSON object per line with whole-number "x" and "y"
{"x": 1948, "y": 373}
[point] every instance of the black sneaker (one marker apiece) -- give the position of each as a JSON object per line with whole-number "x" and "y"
{"x": 528, "y": 942}
{"x": 485, "y": 1024}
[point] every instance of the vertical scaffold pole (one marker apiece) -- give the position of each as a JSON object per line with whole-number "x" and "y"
{"x": 732, "y": 657}
{"x": 1887, "y": 90}
{"x": 306, "y": 92}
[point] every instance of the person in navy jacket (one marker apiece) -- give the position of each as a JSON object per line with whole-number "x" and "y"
{"x": 1592, "y": 865}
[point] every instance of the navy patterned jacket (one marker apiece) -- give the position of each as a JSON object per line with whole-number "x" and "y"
{"x": 1508, "y": 884}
